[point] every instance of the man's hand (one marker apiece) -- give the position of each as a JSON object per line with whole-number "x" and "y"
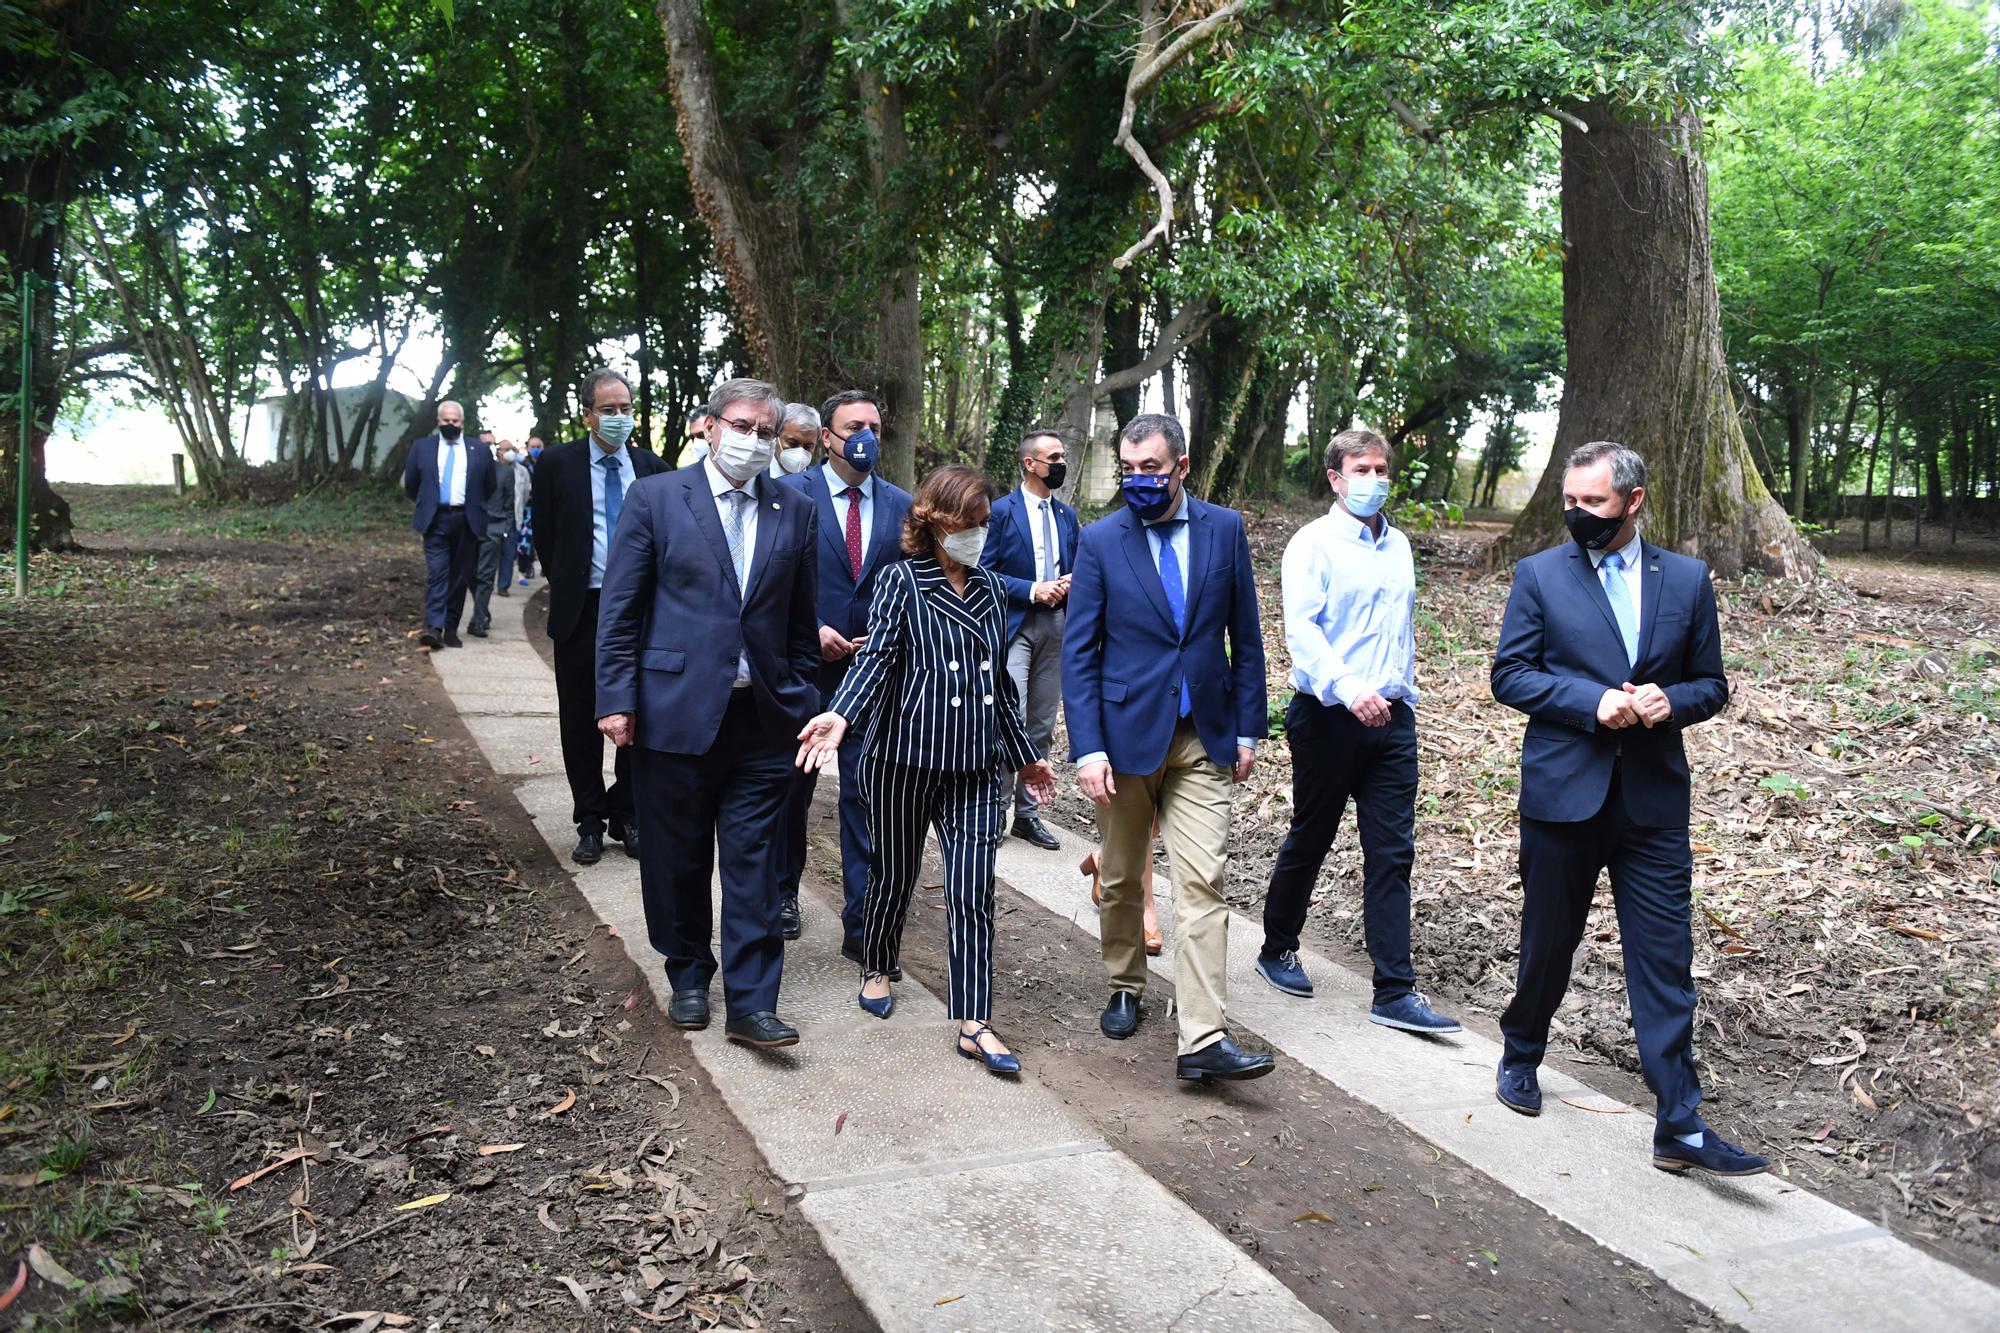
{"x": 1651, "y": 703}
{"x": 1371, "y": 710}
{"x": 819, "y": 742}
{"x": 618, "y": 727}
{"x": 1616, "y": 711}
{"x": 1050, "y": 592}
{"x": 1246, "y": 758}
{"x": 833, "y": 645}
{"x": 1040, "y": 779}
{"x": 1097, "y": 784}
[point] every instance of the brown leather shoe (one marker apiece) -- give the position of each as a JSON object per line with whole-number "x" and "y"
{"x": 1092, "y": 867}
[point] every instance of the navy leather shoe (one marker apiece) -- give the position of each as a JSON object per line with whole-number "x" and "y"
{"x": 689, "y": 1009}
{"x": 1412, "y": 1013}
{"x": 1284, "y": 972}
{"x": 628, "y": 835}
{"x": 1120, "y": 1018}
{"x": 589, "y": 849}
{"x": 881, "y": 1008}
{"x": 1223, "y": 1059}
{"x": 999, "y": 1062}
{"x": 1519, "y": 1089}
{"x": 763, "y": 1030}
{"x": 1716, "y": 1157}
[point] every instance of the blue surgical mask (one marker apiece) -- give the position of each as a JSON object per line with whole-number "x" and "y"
{"x": 1366, "y": 496}
{"x": 861, "y": 449}
{"x": 1149, "y": 495}
{"x": 614, "y": 431}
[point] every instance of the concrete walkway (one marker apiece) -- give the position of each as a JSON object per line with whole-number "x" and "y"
{"x": 950, "y": 1198}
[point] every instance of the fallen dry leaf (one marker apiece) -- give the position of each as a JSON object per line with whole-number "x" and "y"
{"x": 286, "y": 1160}
{"x": 48, "y": 1270}
{"x": 427, "y": 1201}
{"x": 1312, "y": 1217}
{"x": 17, "y": 1286}
{"x": 840, "y": 1122}
{"x": 1615, "y": 1108}
{"x": 569, "y": 1100}
{"x": 489, "y": 1149}
{"x": 575, "y": 1289}
{"x": 947, "y": 1300}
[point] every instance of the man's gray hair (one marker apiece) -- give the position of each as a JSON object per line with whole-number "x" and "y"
{"x": 731, "y": 392}
{"x": 1355, "y": 442}
{"x": 1148, "y": 424}
{"x": 587, "y": 394}
{"x": 1628, "y": 470}
{"x": 452, "y": 402}
{"x": 800, "y": 414}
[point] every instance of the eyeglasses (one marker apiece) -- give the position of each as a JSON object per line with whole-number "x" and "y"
{"x": 764, "y": 433}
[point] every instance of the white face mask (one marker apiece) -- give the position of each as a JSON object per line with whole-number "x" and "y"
{"x": 507, "y": 455}
{"x": 794, "y": 459}
{"x": 741, "y": 455}
{"x": 965, "y": 547}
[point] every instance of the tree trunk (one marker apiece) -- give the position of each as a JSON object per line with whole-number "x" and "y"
{"x": 899, "y": 336}
{"x": 1645, "y": 361}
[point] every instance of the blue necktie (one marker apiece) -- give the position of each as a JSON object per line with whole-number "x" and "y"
{"x": 1620, "y": 597}
{"x": 614, "y": 496}
{"x": 444, "y": 474}
{"x": 1170, "y": 580}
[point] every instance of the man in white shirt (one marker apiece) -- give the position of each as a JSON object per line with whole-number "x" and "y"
{"x": 1350, "y": 589}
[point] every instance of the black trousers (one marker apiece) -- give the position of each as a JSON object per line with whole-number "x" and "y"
{"x": 968, "y": 810}
{"x": 450, "y": 547}
{"x": 1335, "y": 758}
{"x": 726, "y": 806}
{"x": 591, "y": 806}
{"x": 1652, "y": 882}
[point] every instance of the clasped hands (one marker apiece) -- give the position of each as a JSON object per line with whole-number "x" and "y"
{"x": 1050, "y": 592}
{"x": 1634, "y": 705}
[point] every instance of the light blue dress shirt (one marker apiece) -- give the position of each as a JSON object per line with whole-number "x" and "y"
{"x": 600, "y": 536}
{"x": 835, "y": 484}
{"x": 1350, "y": 610}
{"x": 720, "y": 486}
{"x": 453, "y": 457}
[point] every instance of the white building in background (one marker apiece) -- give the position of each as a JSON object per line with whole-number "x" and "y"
{"x": 265, "y": 441}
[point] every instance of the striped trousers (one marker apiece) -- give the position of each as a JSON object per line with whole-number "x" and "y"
{"x": 968, "y": 809}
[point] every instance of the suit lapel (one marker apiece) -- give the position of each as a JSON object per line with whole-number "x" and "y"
{"x": 770, "y": 513}
{"x": 1586, "y": 574}
{"x": 694, "y": 484}
{"x": 1018, "y": 515}
{"x": 1650, "y": 581}
{"x": 888, "y": 534}
{"x": 1139, "y": 551}
{"x": 1199, "y": 530}
{"x": 829, "y": 521}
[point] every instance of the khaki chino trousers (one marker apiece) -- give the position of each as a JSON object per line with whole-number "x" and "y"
{"x": 1191, "y": 795}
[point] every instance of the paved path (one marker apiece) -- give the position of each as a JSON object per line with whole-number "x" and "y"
{"x": 1002, "y": 1210}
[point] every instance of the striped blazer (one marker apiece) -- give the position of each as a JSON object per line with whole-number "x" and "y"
{"x": 930, "y": 686}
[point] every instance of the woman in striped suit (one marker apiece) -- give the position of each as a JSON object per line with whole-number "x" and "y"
{"x": 942, "y": 734}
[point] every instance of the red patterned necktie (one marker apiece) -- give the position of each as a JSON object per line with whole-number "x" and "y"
{"x": 853, "y": 494}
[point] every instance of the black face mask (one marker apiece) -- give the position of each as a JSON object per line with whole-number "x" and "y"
{"x": 449, "y": 432}
{"x": 1593, "y": 532}
{"x": 1053, "y": 477}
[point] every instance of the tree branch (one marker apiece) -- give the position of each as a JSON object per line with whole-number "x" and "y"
{"x": 1188, "y": 324}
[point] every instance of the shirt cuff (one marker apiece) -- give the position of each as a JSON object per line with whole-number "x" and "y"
{"x": 1347, "y": 689}
{"x": 1094, "y": 757}
{"x": 1246, "y": 742}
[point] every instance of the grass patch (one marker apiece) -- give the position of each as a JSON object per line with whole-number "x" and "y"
{"x": 157, "y": 511}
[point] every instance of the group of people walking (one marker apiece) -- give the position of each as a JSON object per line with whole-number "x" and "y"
{"x": 774, "y": 608}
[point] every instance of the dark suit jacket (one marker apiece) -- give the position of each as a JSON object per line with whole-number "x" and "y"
{"x": 420, "y": 481}
{"x": 930, "y": 686}
{"x": 670, "y": 622}
{"x": 844, "y": 599}
{"x": 1123, "y": 660}
{"x": 564, "y": 522}
{"x": 1010, "y": 551}
{"x": 1560, "y": 650}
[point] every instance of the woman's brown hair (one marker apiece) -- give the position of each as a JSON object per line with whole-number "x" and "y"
{"x": 952, "y": 497}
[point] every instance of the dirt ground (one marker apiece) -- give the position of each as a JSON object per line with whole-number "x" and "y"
{"x": 305, "y": 1027}
{"x": 1847, "y": 869}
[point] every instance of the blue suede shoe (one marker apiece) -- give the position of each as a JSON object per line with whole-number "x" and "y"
{"x": 1283, "y": 971}
{"x": 998, "y": 1063}
{"x": 881, "y": 1008}
{"x": 1520, "y": 1090}
{"x": 1715, "y": 1157}
{"x": 1412, "y": 1013}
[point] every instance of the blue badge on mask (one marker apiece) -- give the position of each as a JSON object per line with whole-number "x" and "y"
{"x": 861, "y": 450}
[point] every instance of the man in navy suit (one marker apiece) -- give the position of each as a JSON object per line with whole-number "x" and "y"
{"x": 449, "y": 477}
{"x": 580, "y": 489}
{"x": 1610, "y": 646}
{"x": 707, "y": 642}
{"x": 861, "y": 529}
{"x": 1031, "y": 544}
{"x": 1163, "y": 677}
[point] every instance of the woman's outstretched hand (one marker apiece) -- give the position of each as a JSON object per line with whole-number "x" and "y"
{"x": 1040, "y": 779}
{"x": 819, "y": 743}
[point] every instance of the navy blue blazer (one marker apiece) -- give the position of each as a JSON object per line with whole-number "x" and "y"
{"x": 420, "y": 480}
{"x": 670, "y": 623}
{"x": 843, "y": 599}
{"x": 931, "y": 686}
{"x": 566, "y": 524}
{"x": 1560, "y": 650}
{"x": 1123, "y": 660}
{"x": 1010, "y": 551}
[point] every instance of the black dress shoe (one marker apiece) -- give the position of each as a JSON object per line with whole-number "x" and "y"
{"x": 764, "y": 1030}
{"x": 451, "y": 639}
{"x": 628, "y": 836}
{"x": 1120, "y": 1018}
{"x": 1030, "y": 829}
{"x": 475, "y": 632}
{"x": 431, "y": 638}
{"x": 589, "y": 847}
{"x": 852, "y": 953}
{"x": 789, "y": 921}
{"x": 689, "y": 1009}
{"x": 1223, "y": 1060}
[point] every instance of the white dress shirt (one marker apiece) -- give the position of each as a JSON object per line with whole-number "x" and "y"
{"x": 1631, "y": 553}
{"x": 461, "y": 459}
{"x": 720, "y": 487}
{"x": 1350, "y": 610}
{"x": 835, "y": 484}
{"x": 600, "y": 535}
{"x": 1036, "y": 507}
